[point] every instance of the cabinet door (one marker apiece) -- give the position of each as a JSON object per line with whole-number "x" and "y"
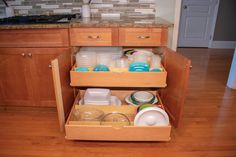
{"x": 173, "y": 96}
{"x": 41, "y": 73}
{"x": 63, "y": 91}
{"x": 15, "y": 79}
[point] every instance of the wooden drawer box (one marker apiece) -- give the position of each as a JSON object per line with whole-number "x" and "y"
{"x": 93, "y": 130}
{"x": 93, "y": 36}
{"x": 143, "y": 36}
{"x": 34, "y": 38}
{"x": 116, "y": 79}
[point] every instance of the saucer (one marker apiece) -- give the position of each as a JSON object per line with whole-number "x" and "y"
{"x": 129, "y": 101}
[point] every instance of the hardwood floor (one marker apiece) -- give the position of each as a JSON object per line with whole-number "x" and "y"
{"x": 208, "y": 128}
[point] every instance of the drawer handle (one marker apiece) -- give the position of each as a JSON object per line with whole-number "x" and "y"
{"x": 143, "y": 37}
{"x": 93, "y": 37}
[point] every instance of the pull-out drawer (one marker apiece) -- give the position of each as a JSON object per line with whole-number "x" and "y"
{"x": 143, "y": 36}
{"x": 92, "y": 36}
{"x": 34, "y": 38}
{"x": 93, "y": 130}
{"x": 118, "y": 79}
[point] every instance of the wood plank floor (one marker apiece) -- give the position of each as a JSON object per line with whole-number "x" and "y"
{"x": 208, "y": 129}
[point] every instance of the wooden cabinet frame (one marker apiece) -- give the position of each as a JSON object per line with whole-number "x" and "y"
{"x": 172, "y": 96}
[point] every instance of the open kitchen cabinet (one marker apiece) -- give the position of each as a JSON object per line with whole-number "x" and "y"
{"x": 171, "y": 94}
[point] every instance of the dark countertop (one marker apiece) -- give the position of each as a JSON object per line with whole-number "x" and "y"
{"x": 99, "y": 22}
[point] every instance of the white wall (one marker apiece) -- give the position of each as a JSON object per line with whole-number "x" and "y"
{"x": 170, "y": 11}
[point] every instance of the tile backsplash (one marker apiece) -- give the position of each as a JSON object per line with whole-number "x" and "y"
{"x": 104, "y": 8}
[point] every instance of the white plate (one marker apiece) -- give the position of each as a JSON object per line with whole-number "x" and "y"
{"x": 151, "y": 116}
{"x": 129, "y": 101}
{"x": 113, "y": 101}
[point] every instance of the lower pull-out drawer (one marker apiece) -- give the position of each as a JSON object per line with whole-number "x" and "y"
{"x": 77, "y": 129}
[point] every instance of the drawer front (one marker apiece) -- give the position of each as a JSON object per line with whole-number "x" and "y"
{"x": 142, "y": 36}
{"x": 109, "y": 133}
{"x": 92, "y": 36}
{"x": 115, "y": 79}
{"x": 34, "y": 38}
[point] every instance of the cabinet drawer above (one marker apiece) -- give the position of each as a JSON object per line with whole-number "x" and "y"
{"x": 93, "y": 36}
{"x": 34, "y": 38}
{"x": 143, "y": 36}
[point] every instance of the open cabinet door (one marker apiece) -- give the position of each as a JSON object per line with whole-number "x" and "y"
{"x": 173, "y": 96}
{"x": 63, "y": 91}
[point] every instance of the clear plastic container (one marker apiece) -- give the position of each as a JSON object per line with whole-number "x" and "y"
{"x": 86, "y": 59}
{"x": 155, "y": 61}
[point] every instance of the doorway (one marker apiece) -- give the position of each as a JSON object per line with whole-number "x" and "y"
{"x": 197, "y": 22}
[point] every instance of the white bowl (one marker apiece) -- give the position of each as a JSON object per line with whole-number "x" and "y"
{"x": 129, "y": 101}
{"x": 143, "y": 96}
{"x": 151, "y": 116}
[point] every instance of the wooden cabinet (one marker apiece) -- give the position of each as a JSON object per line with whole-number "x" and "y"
{"x": 143, "y": 36}
{"x": 94, "y": 36}
{"x": 15, "y": 78}
{"x": 26, "y": 76}
{"x": 34, "y": 38}
{"x": 172, "y": 99}
{"x": 118, "y": 37}
{"x": 42, "y": 74}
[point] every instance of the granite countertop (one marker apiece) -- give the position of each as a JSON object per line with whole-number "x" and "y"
{"x": 99, "y": 22}
{"x": 121, "y": 22}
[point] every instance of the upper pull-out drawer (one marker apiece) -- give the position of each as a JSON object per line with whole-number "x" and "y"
{"x": 93, "y": 36}
{"x": 143, "y": 36}
{"x": 34, "y": 38}
{"x": 118, "y": 79}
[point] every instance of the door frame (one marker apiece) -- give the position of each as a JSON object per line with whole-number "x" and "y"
{"x": 178, "y": 6}
{"x": 214, "y": 23}
{"x": 178, "y": 10}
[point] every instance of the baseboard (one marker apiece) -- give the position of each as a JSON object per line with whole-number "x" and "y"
{"x": 223, "y": 44}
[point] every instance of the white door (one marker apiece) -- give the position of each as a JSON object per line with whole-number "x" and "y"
{"x": 196, "y": 23}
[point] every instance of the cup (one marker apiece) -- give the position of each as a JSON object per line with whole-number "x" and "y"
{"x": 9, "y": 11}
{"x": 85, "y": 11}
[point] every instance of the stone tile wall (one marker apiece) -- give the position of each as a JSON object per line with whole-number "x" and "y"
{"x": 104, "y": 8}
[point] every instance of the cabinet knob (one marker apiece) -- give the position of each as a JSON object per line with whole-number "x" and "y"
{"x": 185, "y": 7}
{"x": 29, "y": 54}
{"x": 143, "y": 37}
{"x": 50, "y": 66}
{"x": 22, "y": 54}
{"x": 93, "y": 37}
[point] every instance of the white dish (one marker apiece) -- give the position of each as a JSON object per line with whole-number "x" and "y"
{"x": 129, "y": 101}
{"x": 113, "y": 101}
{"x": 151, "y": 116}
{"x": 143, "y": 96}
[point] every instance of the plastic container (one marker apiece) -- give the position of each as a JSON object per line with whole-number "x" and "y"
{"x": 155, "y": 62}
{"x": 140, "y": 57}
{"x": 97, "y": 96}
{"x": 86, "y": 59}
